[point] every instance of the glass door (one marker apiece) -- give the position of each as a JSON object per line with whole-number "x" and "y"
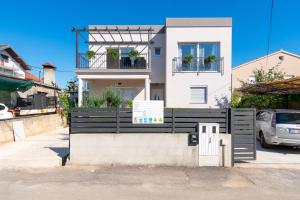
{"x": 187, "y": 57}
{"x": 209, "y": 54}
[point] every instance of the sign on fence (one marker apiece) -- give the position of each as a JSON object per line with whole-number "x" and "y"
{"x": 148, "y": 112}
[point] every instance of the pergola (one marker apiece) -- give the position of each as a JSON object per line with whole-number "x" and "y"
{"x": 114, "y": 35}
{"x": 284, "y": 87}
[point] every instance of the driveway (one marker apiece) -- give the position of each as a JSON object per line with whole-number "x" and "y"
{"x": 70, "y": 183}
{"x": 44, "y": 150}
{"x": 274, "y": 157}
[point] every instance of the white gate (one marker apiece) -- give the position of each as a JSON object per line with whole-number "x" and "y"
{"x": 208, "y": 144}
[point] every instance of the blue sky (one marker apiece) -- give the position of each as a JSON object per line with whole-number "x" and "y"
{"x": 41, "y": 30}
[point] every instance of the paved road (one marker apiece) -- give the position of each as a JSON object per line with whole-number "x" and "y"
{"x": 140, "y": 183}
{"x": 44, "y": 150}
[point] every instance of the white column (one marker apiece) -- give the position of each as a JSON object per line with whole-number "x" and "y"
{"x": 80, "y": 85}
{"x": 147, "y": 89}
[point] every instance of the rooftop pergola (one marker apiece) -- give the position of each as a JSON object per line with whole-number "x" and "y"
{"x": 284, "y": 87}
{"x": 114, "y": 36}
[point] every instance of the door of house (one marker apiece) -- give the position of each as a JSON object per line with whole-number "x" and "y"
{"x": 208, "y": 144}
{"x": 157, "y": 94}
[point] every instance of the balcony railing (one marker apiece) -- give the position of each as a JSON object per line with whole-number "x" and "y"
{"x": 102, "y": 61}
{"x": 199, "y": 64}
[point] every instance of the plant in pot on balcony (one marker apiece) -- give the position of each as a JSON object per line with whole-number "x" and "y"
{"x": 113, "y": 58}
{"x": 210, "y": 59}
{"x": 133, "y": 54}
{"x": 186, "y": 62}
{"x": 90, "y": 54}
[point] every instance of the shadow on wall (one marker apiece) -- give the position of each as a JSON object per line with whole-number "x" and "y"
{"x": 222, "y": 102}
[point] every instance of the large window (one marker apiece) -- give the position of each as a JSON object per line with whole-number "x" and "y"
{"x": 198, "y": 57}
{"x": 198, "y": 94}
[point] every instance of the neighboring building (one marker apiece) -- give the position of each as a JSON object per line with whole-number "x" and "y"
{"x": 286, "y": 62}
{"x": 186, "y": 62}
{"x": 19, "y": 88}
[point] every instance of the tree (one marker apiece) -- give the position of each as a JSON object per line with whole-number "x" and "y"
{"x": 72, "y": 86}
{"x": 260, "y": 101}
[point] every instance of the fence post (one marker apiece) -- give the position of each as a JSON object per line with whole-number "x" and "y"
{"x": 173, "y": 121}
{"x": 117, "y": 120}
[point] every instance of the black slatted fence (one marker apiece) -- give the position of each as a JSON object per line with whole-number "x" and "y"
{"x": 243, "y": 134}
{"x": 176, "y": 120}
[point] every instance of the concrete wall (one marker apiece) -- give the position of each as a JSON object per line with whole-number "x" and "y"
{"x": 32, "y": 125}
{"x": 218, "y": 85}
{"x": 158, "y": 62}
{"x": 141, "y": 149}
{"x": 290, "y": 65}
{"x": 133, "y": 149}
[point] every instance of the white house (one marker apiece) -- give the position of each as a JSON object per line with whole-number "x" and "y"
{"x": 186, "y": 62}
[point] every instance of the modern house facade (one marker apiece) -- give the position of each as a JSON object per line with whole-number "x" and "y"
{"x": 186, "y": 62}
{"x": 284, "y": 61}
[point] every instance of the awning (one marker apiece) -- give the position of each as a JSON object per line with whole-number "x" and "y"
{"x": 12, "y": 84}
{"x": 287, "y": 86}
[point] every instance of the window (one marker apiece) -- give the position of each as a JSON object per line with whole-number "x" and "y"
{"x": 204, "y": 56}
{"x": 4, "y": 58}
{"x": 252, "y": 79}
{"x": 157, "y": 51}
{"x": 198, "y": 94}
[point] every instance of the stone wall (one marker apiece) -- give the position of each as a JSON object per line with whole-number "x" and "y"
{"x": 33, "y": 125}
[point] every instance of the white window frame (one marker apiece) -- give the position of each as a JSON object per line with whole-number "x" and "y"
{"x": 205, "y": 95}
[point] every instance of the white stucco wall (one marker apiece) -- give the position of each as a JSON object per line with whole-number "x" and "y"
{"x": 11, "y": 67}
{"x": 178, "y": 84}
{"x": 158, "y": 62}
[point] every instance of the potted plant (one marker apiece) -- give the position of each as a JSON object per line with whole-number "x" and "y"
{"x": 112, "y": 58}
{"x": 90, "y": 54}
{"x": 187, "y": 59}
{"x": 210, "y": 59}
{"x": 133, "y": 54}
{"x": 113, "y": 53}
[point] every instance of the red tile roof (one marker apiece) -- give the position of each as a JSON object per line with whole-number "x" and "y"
{"x": 29, "y": 76}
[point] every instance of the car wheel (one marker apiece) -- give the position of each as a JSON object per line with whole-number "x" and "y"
{"x": 263, "y": 141}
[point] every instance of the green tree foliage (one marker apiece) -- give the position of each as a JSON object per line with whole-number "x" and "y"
{"x": 260, "y": 101}
{"x": 66, "y": 103}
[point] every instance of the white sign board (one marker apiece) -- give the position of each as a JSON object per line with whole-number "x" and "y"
{"x": 148, "y": 112}
{"x": 18, "y": 128}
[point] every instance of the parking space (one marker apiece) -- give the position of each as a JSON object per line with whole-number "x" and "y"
{"x": 274, "y": 157}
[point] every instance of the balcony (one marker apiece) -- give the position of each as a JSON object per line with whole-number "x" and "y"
{"x": 104, "y": 61}
{"x": 198, "y": 65}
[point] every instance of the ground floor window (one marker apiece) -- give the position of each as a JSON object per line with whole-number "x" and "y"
{"x": 198, "y": 94}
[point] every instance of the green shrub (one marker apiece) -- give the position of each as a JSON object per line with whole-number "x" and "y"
{"x": 66, "y": 103}
{"x": 92, "y": 101}
{"x": 112, "y": 97}
{"x": 129, "y": 104}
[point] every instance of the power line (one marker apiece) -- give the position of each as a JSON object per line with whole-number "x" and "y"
{"x": 269, "y": 32}
{"x": 60, "y": 71}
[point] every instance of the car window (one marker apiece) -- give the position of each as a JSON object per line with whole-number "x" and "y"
{"x": 2, "y": 107}
{"x": 257, "y": 115}
{"x": 288, "y": 118}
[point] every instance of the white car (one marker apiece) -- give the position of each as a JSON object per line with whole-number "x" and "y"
{"x": 4, "y": 113}
{"x": 278, "y": 127}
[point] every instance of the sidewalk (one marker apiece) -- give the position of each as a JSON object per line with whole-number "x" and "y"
{"x": 44, "y": 150}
